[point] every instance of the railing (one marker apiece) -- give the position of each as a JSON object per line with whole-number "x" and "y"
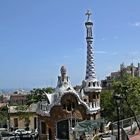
{"x": 127, "y": 127}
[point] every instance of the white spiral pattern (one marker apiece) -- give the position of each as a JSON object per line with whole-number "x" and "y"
{"x": 90, "y": 66}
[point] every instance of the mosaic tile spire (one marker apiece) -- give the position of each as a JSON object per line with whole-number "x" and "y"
{"x": 90, "y": 66}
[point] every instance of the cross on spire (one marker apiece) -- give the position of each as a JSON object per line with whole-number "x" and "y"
{"x": 88, "y": 14}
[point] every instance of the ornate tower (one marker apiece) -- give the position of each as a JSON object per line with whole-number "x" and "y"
{"x": 91, "y": 86}
{"x": 90, "y": 68}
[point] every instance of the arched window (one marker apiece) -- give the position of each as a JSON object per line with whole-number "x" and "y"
{"x": 85, "y": 100}
{"x": 89, "y": 84}
{"x": 69, "y": 102}
{"x": 94, "y": 97}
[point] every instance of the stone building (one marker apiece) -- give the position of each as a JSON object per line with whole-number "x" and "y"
{"x": 130, "y": 69}
{"x": 64, "y": 108}
{"x": 23, "y": 118}
{"x": 18, "y": 97}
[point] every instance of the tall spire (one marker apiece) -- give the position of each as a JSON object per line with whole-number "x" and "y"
{"x": 90, "y": 66}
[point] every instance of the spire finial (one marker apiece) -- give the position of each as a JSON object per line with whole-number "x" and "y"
{"x": 88, "y": 14}
{"x": 63, "y": 72}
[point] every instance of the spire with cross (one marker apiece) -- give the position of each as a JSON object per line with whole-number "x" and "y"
{"x": 91, "y": 86}
{"x": 90, "y": 70}
{"x": 88, "y": 14}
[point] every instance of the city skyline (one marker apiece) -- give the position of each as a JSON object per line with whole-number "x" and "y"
{"x": 37, "y": 38}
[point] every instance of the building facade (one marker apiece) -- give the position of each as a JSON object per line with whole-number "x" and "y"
{"x": 23, "y": 119}
{"x": 19, "y": 97}
{"x": 61, "y": 110}
{"x": 130, "y": 69}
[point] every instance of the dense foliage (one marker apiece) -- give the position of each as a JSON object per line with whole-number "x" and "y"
{"x": 4, "y": 115}
{"x": 129, "y": 88}
{"x": 107, "y": 105}
{"x": 38, "y": 94}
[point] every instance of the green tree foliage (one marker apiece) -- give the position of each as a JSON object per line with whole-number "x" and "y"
{"x": 48, "y": 90}
{"x": 129, "y": 88}
{"x": 107, "y": 105}
{"x": 38, "y": 95}
{"x": 22, "y": 111}
{"x": 3, "y": 114}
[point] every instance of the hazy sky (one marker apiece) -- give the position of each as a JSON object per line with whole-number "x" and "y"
{"x": 37, "y": 37}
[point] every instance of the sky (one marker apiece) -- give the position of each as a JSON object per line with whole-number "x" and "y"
{"x": 37, "y": 37}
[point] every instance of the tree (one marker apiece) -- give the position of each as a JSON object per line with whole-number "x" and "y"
{"x": 38, "y": 94}
{"x": 4, "y": 115}
{"x": 48, "y": 90}
{"x": 129, "y": 88}
{"x": 107, "y": 105}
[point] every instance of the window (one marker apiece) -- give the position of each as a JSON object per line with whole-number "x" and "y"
{"x": 64, "y": 106}
{"x": 63, "y": 129}
{"x": 69, "y": 102}
{"x": 15, "y": 122}
{"x": 43, "y": 107}
{"x": 85, "y": 100}
{"x": 94, "y": 97}
{"x": 26, "y": 123}
{"x": 35, "y": 123}
{"x": 89, "y": 84}
{"x": 43, "y": 128}
{"x": 98, "y": 96}
{"x": 69, "y": 105}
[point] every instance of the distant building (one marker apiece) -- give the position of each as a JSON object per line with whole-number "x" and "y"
{"x": 4, "y": 98}
{"x": 19, "y": 97}
{"x": 131, "y": 69}
{"x": 21, "y": 118}
{"x": 24, "y": 118}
